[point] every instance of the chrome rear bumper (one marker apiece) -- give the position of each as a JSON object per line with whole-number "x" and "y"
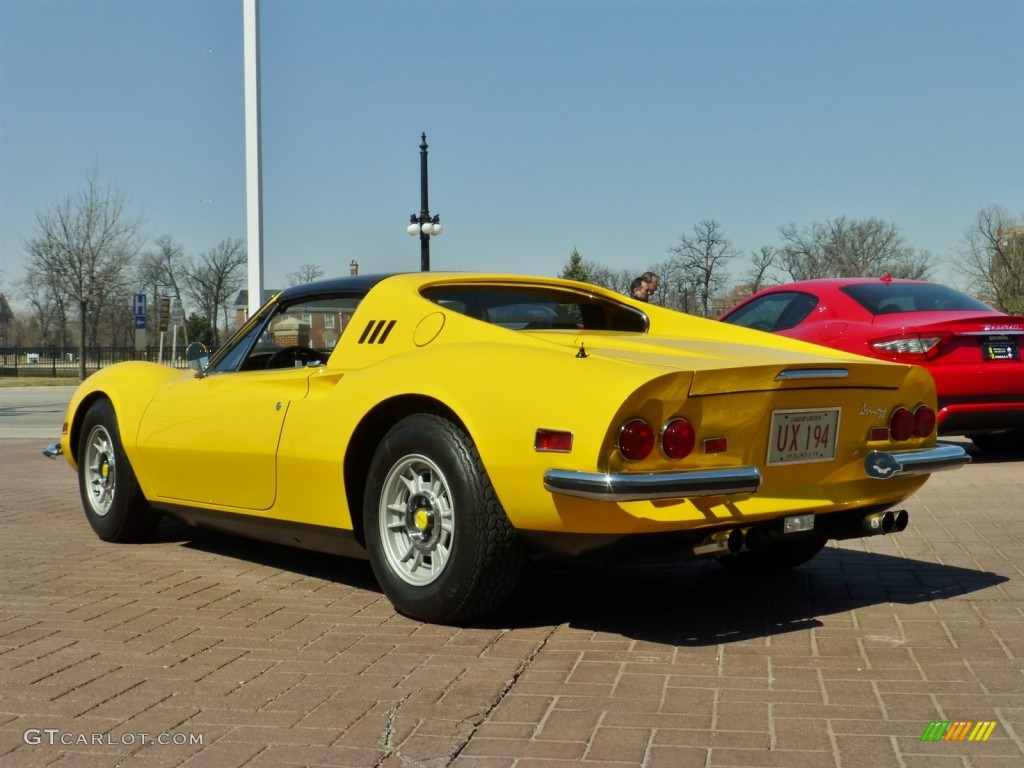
{"x": 654, "y": 485}
{"x": 882, "y": 465}
{"x": 691, "y": 484}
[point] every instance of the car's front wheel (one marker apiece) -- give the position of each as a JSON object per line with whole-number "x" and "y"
{"x": 439, "y": 541}
{"x": 113, "y": 502}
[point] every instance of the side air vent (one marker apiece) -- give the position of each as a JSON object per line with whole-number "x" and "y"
{"x": 376, "y": 331}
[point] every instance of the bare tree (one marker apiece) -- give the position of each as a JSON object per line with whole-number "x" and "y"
{"x": 993, "y": 258}
{"x": 49, "y": 310}
{"x": 161, "y": 271}
{"x": 700, "y": 260}
{"x": 307, "y": 273}
{"x": 211, "y": 279}
{"x": 849, "y": 248}
{"x": 761, "y": 262}
{"x": 617, "y": 280}
{"x": 84, "y": 246}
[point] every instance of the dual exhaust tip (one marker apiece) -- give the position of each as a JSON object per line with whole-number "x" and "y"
{"x": 737, "y": 540}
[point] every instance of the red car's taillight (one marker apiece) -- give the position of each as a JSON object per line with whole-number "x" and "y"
{"x": 910, "y": 346}
{"x": 636, "y": 440}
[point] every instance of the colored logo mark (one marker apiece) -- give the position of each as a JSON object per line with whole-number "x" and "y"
{"x": 958, "y": 730}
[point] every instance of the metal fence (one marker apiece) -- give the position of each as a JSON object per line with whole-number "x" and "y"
{"x": 55, "y": 362}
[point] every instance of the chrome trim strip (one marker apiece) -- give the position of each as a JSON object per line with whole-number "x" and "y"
{"x": 53, "y": 450}
{"x": 654, "y": 485}
{"x": 794, "y": 374}
{"x": 881, "y": 465}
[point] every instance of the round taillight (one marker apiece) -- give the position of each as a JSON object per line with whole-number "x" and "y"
{"x": 636, "y": 440}
{"x": 924, "y": 421}
{"x": 902, "y": 424}
{"x": 677, "y": 438}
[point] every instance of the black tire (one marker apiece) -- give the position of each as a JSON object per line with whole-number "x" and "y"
{"x": 776, "y": 557}
{"x": 440, "y": 544}
{"x": 1007, "y": 442}
{"x": 113, "y": 502}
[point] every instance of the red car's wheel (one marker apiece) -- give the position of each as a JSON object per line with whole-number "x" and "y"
{"x": 113, "y": 501}
{"x": 439, "y": 541}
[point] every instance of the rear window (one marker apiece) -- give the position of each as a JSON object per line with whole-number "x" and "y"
{"x": 895, "y": 298}
{"x": 525, "y": 308}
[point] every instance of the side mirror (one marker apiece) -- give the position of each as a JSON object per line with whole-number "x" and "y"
{"x": 197, "y": 355}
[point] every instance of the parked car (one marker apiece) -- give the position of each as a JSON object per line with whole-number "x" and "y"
{"x": 972, "y": 350}
{"x": 448, "y": 426}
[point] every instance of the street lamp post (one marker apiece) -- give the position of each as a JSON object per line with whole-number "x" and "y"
{"x": 424, "y": 224}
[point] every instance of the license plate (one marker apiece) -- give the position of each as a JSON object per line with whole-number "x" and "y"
{"x": 803, "y": 435}
{"x": 999, "y": 348}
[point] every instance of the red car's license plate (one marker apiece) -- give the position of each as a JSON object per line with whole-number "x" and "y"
{"x": 999, "y": 348}
{"x": 803, "y": 435}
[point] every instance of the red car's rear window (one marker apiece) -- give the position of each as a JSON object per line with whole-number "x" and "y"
{"x": 894, "y": 298}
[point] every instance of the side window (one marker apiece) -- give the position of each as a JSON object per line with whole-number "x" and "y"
{"x": 296, "y": 335}
{"x": 536, "y": 308}
{"x": 774, "y": 311}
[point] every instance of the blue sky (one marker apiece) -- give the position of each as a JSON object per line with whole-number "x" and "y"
{"x": 611, "y": 126}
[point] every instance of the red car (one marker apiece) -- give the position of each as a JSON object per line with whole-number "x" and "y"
{"x": 972, "y": 350}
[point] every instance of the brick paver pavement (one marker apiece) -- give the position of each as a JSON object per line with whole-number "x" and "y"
{"x": 264, "y": 657}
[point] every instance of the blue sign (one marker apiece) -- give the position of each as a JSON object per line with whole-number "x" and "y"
{"x": 139, "y": 305}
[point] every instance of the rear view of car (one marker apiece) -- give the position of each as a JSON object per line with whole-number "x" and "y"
{"x": 971, "y": 350}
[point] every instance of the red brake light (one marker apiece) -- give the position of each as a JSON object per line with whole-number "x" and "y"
{"x": 636, "y": 440}
{"x": 902, "y": 424}
{"x": 677, "y": 438}
{"x": 924, "y": 421}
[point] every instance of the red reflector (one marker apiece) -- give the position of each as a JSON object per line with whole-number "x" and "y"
{"x": 902, "y": 424}
{"x": 924, "y": 421}
{"x": 879, "y": 433}
{"x": 552, "y": 440}
{"x": 677, "y": 438}
{"x": 636, "y": 440}
{"x": 716, "y": 445}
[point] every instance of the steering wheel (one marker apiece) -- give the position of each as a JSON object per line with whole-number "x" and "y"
{"x": 304, "y": 354}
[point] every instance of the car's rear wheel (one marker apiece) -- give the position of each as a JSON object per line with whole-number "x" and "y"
{"x": 777, "y": 556}
{"x": 1008, "y": 441}
{"x": 113, "y": 502}
{"x": 439, "y": 541}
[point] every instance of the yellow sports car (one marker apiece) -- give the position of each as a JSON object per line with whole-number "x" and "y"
{"x": 448, "y": 426}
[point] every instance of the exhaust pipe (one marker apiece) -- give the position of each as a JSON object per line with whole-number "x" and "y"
{"x": 721, "y": 543}
{"x": 902, "y": 520}
{"x": 879, "y": 522}
{"x": 892, "y": 521}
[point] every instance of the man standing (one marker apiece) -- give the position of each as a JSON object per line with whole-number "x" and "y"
{"x": 650, "y": 280}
